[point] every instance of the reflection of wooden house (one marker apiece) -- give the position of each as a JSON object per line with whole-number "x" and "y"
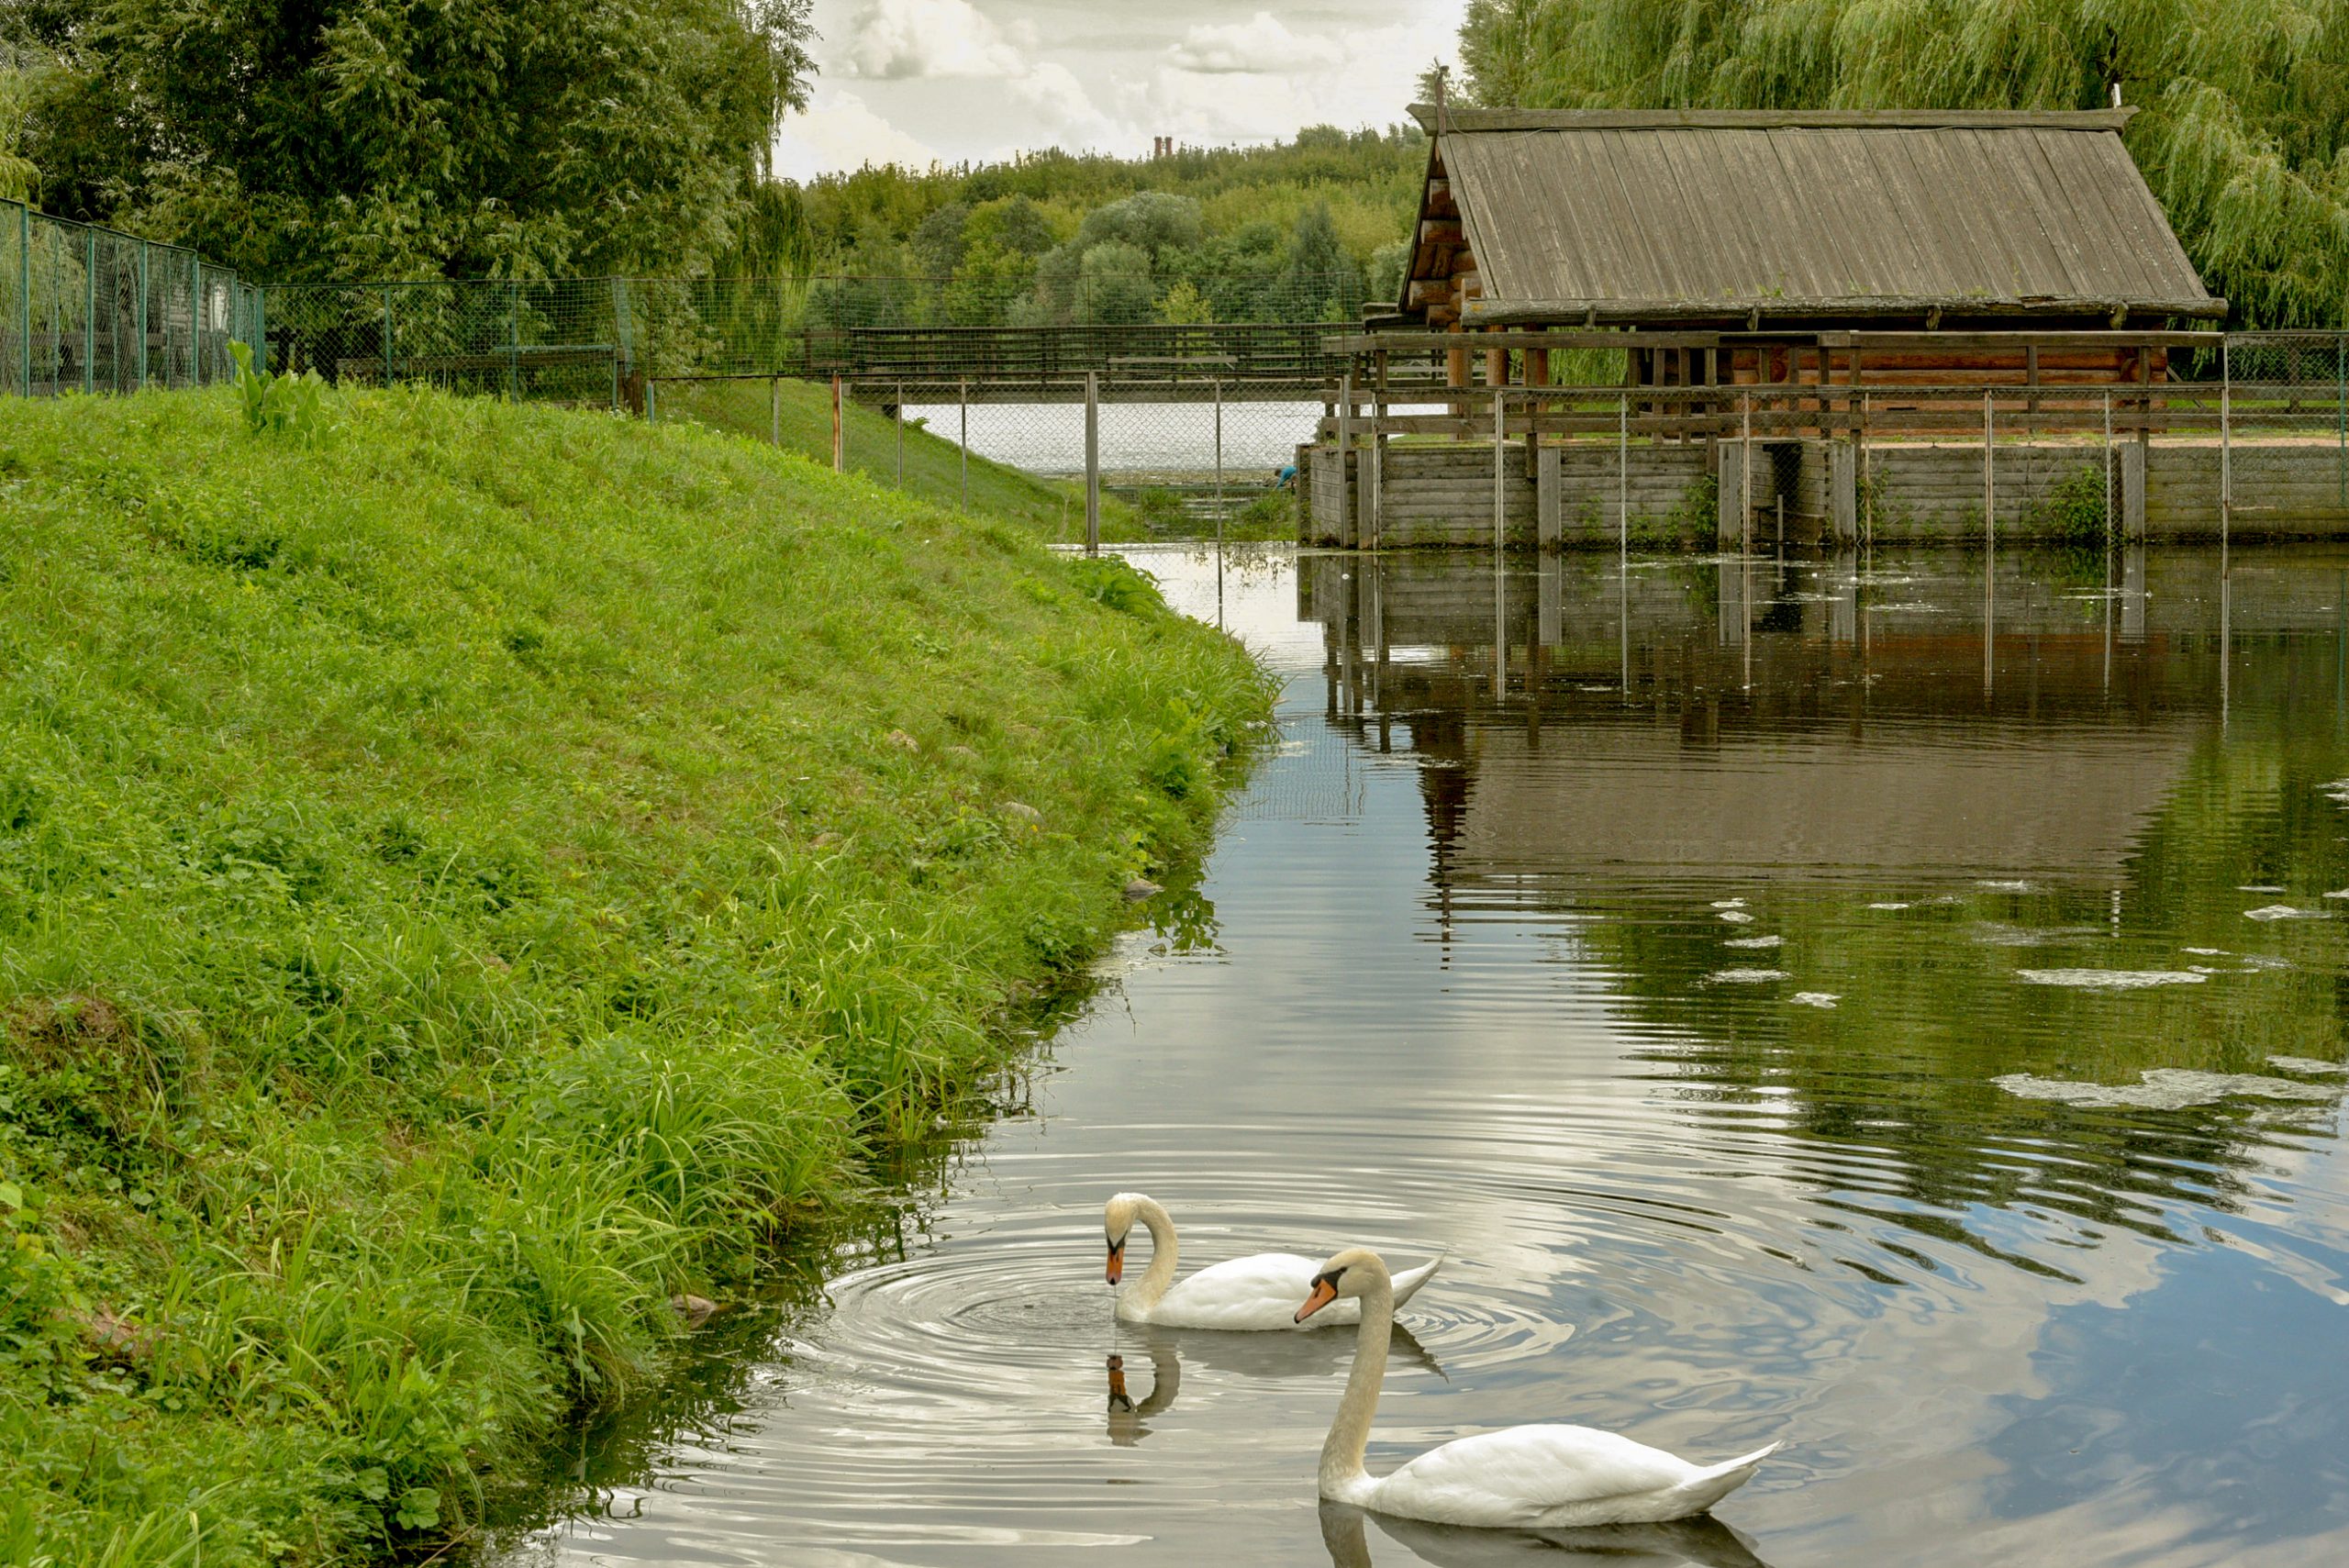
{"x": 1754, "y": 239}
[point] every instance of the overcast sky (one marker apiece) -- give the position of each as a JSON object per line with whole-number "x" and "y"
{"x": 923, "y": 81}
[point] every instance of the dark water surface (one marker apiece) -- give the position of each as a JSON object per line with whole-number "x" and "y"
{"x": 1919, "y": 1045}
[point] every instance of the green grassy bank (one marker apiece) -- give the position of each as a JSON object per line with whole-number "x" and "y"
{"x": 933, "y": 470}
{"x": 468, "y": 877}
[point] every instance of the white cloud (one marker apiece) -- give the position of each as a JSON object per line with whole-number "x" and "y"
{"x": 1365, "y": 77}
{"x": 1262, "y": 44}
{"x": 896, "y": 40}
{"x": 839, "y": 131}
{"x": 1061, "y": 102}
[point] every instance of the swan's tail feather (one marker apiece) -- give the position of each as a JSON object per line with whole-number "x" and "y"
{"x": 1713, "y": 1482}
{"x": 1407, "y": 1282}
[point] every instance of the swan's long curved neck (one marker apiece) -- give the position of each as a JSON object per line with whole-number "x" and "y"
{"x": 1342, "y": 1473}
{"x": 1155, "y": 1280}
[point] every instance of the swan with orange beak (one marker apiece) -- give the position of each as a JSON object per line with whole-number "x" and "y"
{"x": 1254, "y": 1293}
{"x": 1532, "y": 1477}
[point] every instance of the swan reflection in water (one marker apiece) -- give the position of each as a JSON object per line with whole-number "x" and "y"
{"x": 1128, "y": 1421}
{"x": 1242, "y": 1355}
{"x": 1700, "y": 1543}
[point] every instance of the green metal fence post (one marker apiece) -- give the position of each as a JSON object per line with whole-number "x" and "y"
{"x": 387, "y": 335}
{"x": 261, "y": 327}
{"x": 90, "y": 310}
{"x": 24, "y": 293}
{"x": 140, "y": 318}
{"x": 194, "y": 319}
{"x": 513, "y": 340}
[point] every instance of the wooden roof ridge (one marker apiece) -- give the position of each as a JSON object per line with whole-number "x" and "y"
{"x": 1460, "y": 121}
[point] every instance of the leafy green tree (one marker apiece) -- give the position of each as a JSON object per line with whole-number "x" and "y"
{"x": 370, "y": 139}
{"x": 1114, "y": 285}
{"x": 2244, "y": 134}
{"x": 1322, "y": 282}
{"x": 1155, "y": 221}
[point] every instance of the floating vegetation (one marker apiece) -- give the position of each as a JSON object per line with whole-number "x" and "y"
{"x": 1814, "y": 998}
{"x": 1737, "y": 917}
{"x": 2111, "y": 979}
{"x": 2162, "y": 1089}
{"x": 1746, "y": 976}
{"x": 2286, "y": 912}
{"x": 1754, "y": 942}
{"x": 2307, "y": 1065}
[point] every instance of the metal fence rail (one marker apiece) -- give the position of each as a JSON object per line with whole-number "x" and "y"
{"x": 88, "y": 309}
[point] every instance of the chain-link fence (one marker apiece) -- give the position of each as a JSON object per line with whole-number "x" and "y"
{"x": 87, "y": 309}
{"x": 603, "y": 338}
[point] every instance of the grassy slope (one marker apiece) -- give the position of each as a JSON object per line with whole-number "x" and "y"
{"x": 1053, "y": 508}
{"x": 464, "y": 881}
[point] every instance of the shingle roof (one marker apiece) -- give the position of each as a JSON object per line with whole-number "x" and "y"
{"x": 1613, "y": 216}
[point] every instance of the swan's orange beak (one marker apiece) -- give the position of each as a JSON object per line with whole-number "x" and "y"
{"x": 1325, "y": 1291}
{"x": 1117, "y": 1261}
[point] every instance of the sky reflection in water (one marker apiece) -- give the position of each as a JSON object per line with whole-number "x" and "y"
{"x": 1465, "y": 970}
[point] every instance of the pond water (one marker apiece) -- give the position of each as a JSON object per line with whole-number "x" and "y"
{"x": 1850, "y": 1003}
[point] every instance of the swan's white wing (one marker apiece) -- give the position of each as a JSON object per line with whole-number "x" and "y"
{"x": 1259, "y": 1291}
{"x": 1525, "y": 1474}
{"x": 1407, "y": 1282}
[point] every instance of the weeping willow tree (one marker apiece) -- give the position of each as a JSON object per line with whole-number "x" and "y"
{"x": 2243, "y": 133}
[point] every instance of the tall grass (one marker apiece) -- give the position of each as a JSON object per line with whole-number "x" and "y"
{"x": 473, "y": 876}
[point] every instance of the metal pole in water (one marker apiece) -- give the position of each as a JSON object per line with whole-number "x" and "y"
{"x": 1746, "y": 479}
{"x": 2226, "y": 449}
{"x": 1989, "y": 549}
{"x": 1500, "y": 450}
{"x": 2107, "y": 489}
{"x": 1219, "y": 492}
{"x": 963, "y": 440}
{"x": 1624, "y": 479}
{"x": 1092, "y": 462}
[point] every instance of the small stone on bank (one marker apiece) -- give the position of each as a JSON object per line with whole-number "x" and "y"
{"x": 1023, "y": 811}
{"x": 1142, "y": 888}
{"x": 694, "y": 1310}
{"x": 899, "y": 738}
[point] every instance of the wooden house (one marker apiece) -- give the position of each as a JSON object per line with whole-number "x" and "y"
{"x": 1776, "y": 246}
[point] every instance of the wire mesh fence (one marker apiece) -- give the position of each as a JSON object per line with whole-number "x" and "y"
{"x": 585, "y": 339}
{"x": 87, "y": 309}
{"x": 1167, "y": 465}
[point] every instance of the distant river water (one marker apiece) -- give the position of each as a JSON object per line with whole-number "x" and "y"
{"x": 1850, "y": 1003}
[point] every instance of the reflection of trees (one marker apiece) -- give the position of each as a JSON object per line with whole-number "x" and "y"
{"x": 1892, "y": 1088}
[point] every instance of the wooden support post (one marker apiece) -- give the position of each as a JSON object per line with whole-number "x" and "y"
{"x": 1092, "y": 462}
{"x": 1495, "y": 365}
{"x": 1378, "y": 462}
{"x": 1549, "y": 502}
{"x": 840, "y": 429}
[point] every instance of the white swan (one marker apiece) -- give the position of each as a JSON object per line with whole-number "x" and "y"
{"x": 1527, "y": 1477}
{"x": 1259, "y": 1291}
